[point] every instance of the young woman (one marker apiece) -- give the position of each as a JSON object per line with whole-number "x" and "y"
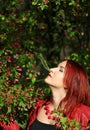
{"x": 69, "y": 90}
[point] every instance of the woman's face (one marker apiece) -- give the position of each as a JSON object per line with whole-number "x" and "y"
{"x": 56, "y": 75}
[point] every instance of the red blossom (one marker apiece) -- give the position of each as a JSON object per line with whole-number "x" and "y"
{"x": 58, "y": 125}
{"x": 46, "y": 2}
{"x": 9, "y": 59}
{"x": 17, "y": 45}
{"x": 0, "y": 62}
{"x": 50, "y": 117}
{"x": 15, "y": 81}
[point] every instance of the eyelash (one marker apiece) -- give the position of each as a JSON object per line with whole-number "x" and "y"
{"x": 61, "y": 70}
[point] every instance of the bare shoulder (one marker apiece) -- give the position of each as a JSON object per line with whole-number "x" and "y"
{"x": 42, "y": 116}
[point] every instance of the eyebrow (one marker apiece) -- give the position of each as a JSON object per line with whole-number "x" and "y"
{"x": 61, "y": 66}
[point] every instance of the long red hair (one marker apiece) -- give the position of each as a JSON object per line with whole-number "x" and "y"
{"x": 76, "y": 84}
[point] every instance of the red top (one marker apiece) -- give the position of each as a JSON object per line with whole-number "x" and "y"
{"x": 81, "y": 113}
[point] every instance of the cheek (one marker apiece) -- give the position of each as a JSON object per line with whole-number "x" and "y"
{"x": 59, "y": 80}
{"x": 59, "y": 77}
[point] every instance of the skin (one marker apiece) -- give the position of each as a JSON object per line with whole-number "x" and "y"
{"x": 55, "y": 82}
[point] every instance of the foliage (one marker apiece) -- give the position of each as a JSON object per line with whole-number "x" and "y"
{"x": 17, "y": 80}
{"x": 64, "y": 30}
{"x": 27, "y": 28}
{"x": 65, "y": 25}
{"x": 58, "y": 27}
{"x": 65, "y": 123}
{"x": 17, "y": 63}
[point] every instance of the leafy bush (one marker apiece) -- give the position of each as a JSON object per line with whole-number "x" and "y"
{"x": 23, "y": 32}
{"x": 17, "y": 80}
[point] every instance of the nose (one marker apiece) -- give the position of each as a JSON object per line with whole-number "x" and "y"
{"x": 52, "y": 70}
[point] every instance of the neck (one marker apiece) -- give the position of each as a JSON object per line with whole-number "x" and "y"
{"x": 57, "y": 96}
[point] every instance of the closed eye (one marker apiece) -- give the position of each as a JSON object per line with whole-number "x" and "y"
{"x": 61, "y": 70}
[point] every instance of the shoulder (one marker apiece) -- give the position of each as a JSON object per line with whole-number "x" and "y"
{"x": 81, "y": 113}
{"x": 40, "y": 100}
{"x": 39, "y": 103}
{"x": 34, "y": 111}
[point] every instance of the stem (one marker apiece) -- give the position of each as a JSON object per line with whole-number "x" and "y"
{"x": 44, "y": 63}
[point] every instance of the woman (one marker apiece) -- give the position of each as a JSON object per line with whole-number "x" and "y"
{"x": 69, "y": 90}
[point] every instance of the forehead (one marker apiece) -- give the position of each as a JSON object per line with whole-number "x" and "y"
{"x": 62, "y": 64}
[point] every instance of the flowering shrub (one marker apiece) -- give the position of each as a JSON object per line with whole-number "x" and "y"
{"x": 63, "y": 122}
{"x": 17, "y": 90}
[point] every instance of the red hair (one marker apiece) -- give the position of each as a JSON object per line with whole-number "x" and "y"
{"x": 76, "y": 84}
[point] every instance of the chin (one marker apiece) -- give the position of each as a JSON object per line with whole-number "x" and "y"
{"x": 46, "y": 80}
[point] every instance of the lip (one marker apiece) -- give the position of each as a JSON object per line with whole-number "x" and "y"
{"x": 49, "y": 75}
